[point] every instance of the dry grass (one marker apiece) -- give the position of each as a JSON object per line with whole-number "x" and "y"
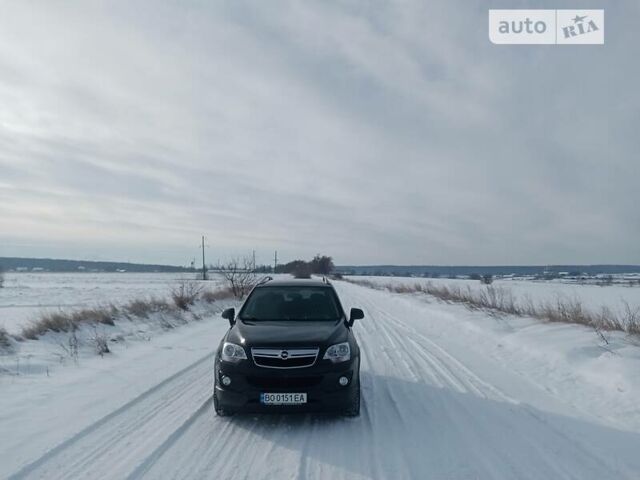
{"x": 632, "y": 318}
{"x": 101, "y": 315}
{"x": 137, "y": 308}
{"x": 182, "y": 298}
{"x": 54, "y": 322}
{"x": 211, "y": 296}
{"x": 502, "y": 300}
{"x": 67, "y": 321}
{"x": 143, "y": 308}
{"x": 100, "y": 341}
{"x": 185, "y": 294}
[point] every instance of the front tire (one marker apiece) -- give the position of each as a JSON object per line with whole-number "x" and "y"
{"x": 353, "y": 410}
{"x": 221, "y": 412}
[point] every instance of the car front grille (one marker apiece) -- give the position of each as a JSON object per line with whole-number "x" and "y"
{"x": 283, "y": 382}
{"x": 284, "y": 357}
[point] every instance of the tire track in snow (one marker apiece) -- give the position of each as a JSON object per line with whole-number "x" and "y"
{"x": 436, "y": 363}
{"x": 98, "y": 441}
{"x": 171, "y": 439}
{"x": 457, "y": 376}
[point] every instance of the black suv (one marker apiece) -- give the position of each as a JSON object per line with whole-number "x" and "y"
{"x": 290, "y": 348}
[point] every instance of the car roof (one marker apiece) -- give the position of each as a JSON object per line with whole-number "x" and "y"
{"x": 294, "y": 282}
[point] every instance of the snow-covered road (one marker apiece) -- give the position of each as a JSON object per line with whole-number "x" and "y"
{"x": 431, "y": 409}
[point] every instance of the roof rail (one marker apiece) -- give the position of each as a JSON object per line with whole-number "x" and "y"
{"x": 266, "y": 279}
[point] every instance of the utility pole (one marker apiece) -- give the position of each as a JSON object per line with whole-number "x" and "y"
{"x": 254, "y": 261}
{"x": 204, "y": 268}
{"x": 275, "y": 261}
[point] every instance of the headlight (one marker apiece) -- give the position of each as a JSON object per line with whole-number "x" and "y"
{"x": 340, "y": 352}
{"x": 232, "y": 352}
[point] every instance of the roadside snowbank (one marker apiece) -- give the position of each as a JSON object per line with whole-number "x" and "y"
{"x": 587, "y": 375}
{"x": 593, "y": 297}
{"x": 107, "y": 330}
{"x": 27, "y": 296}
{"x": 38, "y": 411}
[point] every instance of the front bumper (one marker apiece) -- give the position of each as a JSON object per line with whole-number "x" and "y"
{"x": 320, "y": 383}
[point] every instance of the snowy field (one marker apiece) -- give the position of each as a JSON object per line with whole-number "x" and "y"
{"x": 593, "y": 297}
{"x": 26, "y": 295}
{"x": 447, "y": 394}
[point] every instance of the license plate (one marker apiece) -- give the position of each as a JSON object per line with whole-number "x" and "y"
{"x": 283, "y": 398}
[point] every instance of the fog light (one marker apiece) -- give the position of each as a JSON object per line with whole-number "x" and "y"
{"x": 343, "y": 381}
{"x": 226, "y": 381}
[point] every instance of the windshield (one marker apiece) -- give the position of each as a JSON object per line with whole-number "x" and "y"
{"x": 291, "y": 303}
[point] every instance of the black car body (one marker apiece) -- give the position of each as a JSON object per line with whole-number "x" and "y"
{"x": 290, "y": 348}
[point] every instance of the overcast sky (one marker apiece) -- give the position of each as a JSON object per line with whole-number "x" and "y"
{"x": 375, "y": 132}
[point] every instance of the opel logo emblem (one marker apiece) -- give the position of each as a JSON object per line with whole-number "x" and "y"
{"x": 284, "y": 354}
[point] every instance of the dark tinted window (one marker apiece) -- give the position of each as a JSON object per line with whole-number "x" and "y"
{"x": 291, "y": 303}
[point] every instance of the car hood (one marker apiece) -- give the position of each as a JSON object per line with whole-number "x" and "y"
{"x": 287, "y": 333}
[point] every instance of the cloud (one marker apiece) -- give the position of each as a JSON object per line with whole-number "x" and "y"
{"x": 377, "y": 133}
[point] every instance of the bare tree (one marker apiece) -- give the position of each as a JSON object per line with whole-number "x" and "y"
{"x": 302, "y": 271}
{"x": 239, "y": 275}
{"x": 487, "y": 279}
{"x": 322, "y": 264}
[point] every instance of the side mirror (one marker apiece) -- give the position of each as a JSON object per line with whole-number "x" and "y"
{"x": 356, "y": 314}
{"x": 230, "y": 314}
